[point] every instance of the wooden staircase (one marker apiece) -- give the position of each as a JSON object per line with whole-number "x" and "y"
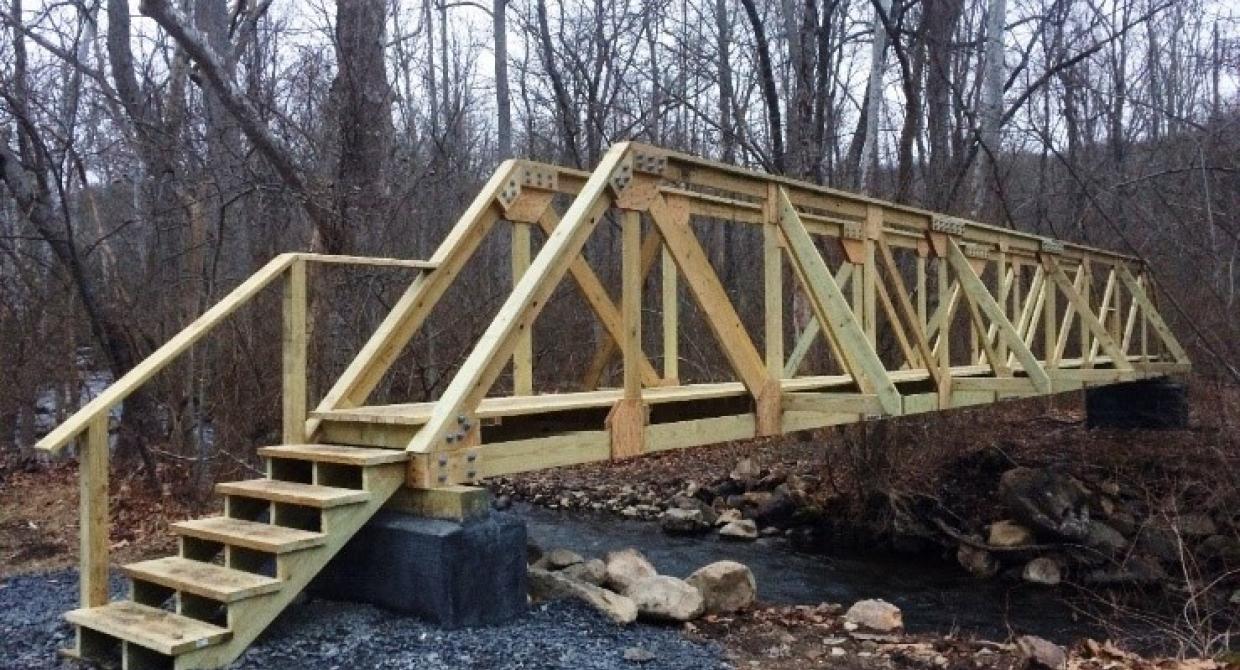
{"x": 235, "y": 573}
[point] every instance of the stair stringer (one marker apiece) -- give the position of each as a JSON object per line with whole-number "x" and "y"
{"x": 248, "y": 619}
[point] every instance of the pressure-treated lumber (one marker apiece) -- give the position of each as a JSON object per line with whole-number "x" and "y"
{"x": 295, "y": 348}
{"x": 704, "y": 285}
{"x": 249, "y": 534}
{"x": 972, "y": 285}
{"x": 812, "y": 329}
{"x": 156, "y": 629}
{"x": 479, "y": 369}
{"x": 832, "y": 312}
{"x": 333, "y": 453}
{"x": 1083, "y": 312}
{"x": 103, "y": 403}
{"x": 415, "y": 304}
{"x": 93, "y": 512}
{"x": 310, "y": 495}
{"x": 202, "y": 579}
{"x": 600, "y": 302}
{"x": 1151, "y": 314}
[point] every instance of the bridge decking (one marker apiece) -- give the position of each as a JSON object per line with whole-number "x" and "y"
{"x": 417, "y": 414}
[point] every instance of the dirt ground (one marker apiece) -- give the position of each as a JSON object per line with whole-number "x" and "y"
{"x": 39, "y": 518}
{"x": 794, "y": 638}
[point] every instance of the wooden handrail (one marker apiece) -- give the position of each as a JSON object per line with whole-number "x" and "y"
{"x": 103, "y": 403}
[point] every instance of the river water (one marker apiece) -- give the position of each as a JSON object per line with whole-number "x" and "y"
{"x": 935, "y": 596}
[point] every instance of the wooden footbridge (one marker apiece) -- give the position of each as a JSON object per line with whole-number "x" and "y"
{"x": 1010, "y": 315}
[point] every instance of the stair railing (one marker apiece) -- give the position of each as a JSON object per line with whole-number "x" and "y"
{"x": 89, "y": 425}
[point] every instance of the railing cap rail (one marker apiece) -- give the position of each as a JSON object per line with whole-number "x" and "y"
{"x": 120, "y": 389}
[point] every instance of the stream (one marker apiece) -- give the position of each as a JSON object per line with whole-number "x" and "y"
{"x": 935, "y": 596}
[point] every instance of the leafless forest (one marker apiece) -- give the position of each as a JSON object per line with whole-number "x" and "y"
{"x": 154, "y": 154}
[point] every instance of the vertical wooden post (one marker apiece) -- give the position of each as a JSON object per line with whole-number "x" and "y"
{"x": 93, "y": 510}
{"x": 671, "y": 318}
{"x": 627, "y": 420}
{"x": 631, "y": 302}
{"x": 921, "y": 290}
{"x": 1086, "y": 284}
{"x": 873, "y": 228}
{"x": 974, "y": 328}
{"x": 773, "y": 287}
{"x": 1145, "y": 322}
{"x": 1050, "y": 339}
{"x": 523, "y": 353}
{"x": 857, "y": 299}
{"x": 1005, "y": 289}
{"x": 945, "y": 335}
{"x": 294, "y": 368}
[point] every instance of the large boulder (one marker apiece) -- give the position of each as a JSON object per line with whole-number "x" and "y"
{"x": 727, "y": 516}
{"x": 726, "y": 586}
{"x": 1104, "y": 538}
{"x": 558, "y": 559}
{"x": 979, "y": 562}
{"x": 777, "y": 509}
{"x": 1042, "y": 570}
{"x": 665, "y": 598}
{"x": 739, "y": 530}
{"x": 545, "y": 585}
{"x": 593, "y": 571}
{"x": 1047, "y": 501}
{"x": 1009, "y": 534}
{"x": 709, "y": 515}
{"x": 878, "y": 615}
{"x": 677, "y": 521}
{"x": 625, "y": 568}
{"x": 1041, "y": 653}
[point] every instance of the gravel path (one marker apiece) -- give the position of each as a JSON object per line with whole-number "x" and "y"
{"x": 327, "y": 634}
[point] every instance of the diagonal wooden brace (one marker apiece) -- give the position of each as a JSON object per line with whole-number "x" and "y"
{"x": 832, "y": 310}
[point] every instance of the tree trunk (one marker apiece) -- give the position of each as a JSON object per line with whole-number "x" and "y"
{"x": 990, "y": 113}
{"x": 361, "y": 99}
{"x": 874, "y": 96}
{"x": 503, "y": 100}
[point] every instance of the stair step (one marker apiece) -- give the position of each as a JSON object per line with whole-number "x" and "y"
{"x": 202, "y": 579}
{"x": 249, "y": 534}
{"x": 294, "y": 493}
{"x": 159, "y": 630}
{"x": 336, "y": 453}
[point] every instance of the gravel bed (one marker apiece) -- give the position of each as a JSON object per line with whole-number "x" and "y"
{"x": 320, "y": 633}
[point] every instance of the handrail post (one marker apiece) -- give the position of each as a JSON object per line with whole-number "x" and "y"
{"x": 294, "y": 354}
{"x": 93, "y": 508}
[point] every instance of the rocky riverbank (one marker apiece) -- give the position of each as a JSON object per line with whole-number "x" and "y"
{"x": 1137, "y": 522}
{"x": 717, "y": 603}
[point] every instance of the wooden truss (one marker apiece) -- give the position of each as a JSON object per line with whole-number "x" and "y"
{"x": 995, "y": 289}
{"x": 912, "y": 312}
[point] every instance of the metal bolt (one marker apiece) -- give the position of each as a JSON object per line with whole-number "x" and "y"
{"x": 443, "y": 461}
{"x": 471, "y": 474}
{"x": 461, "y": 418}
{"x": 471, "y": 457}
{"x": 451, "y": 439}
{"x": 443, "y": 478}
